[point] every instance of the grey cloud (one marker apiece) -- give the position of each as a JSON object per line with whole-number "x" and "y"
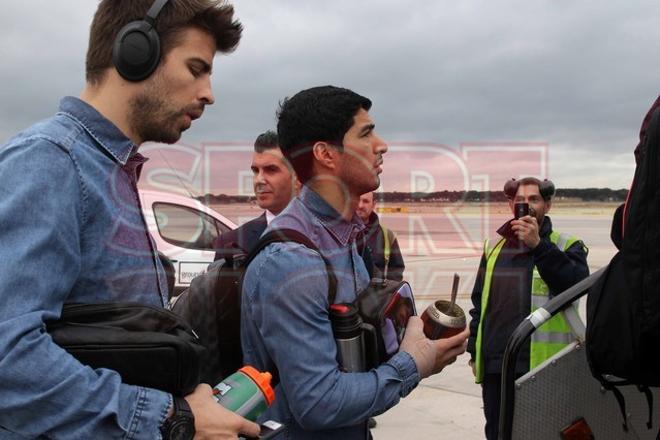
{"x": 576, "y": 75}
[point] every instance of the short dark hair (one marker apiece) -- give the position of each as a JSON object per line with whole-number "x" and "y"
{"x": 212, "y": 16}
{"x": 319, "y": 114}
{"x": 266, "y": 141}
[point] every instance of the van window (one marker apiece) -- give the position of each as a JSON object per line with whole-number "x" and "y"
{"x": 187, "y": 227}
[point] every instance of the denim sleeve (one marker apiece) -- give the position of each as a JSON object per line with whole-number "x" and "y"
{"x": 45, "y": 391}
{"x": 288, "y": 305}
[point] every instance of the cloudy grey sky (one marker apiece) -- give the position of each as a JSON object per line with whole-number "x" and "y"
{"x": 575, "y": 75}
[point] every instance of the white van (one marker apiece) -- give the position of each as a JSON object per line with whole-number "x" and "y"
{"x": 184, "y": 230}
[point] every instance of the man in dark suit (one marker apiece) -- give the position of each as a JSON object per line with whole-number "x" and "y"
{"x": 275, "y": 184}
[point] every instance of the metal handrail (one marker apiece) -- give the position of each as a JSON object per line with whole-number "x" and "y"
{"x": 541, "y": 315}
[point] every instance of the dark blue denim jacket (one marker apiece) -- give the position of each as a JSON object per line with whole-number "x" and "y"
{"x": 285, "y": 328}
{"x": 71, "y": 230}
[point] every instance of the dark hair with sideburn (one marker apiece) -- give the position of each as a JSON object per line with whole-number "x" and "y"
{"x": 266, "y": 141}
{"x": 319, "y": 114}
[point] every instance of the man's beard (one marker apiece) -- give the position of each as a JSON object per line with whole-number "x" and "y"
{"x": 538, "y": 215}
{"x": 152, "y": 120}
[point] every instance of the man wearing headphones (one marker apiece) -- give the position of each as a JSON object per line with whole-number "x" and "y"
{"x": 72, "y": 229}
{"x": 521, "y": 271}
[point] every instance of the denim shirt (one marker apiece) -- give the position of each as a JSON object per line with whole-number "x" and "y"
{"x": 71, "y": 231}
{"x": 285, "y": 328}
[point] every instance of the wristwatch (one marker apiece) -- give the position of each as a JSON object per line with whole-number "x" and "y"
{"x": 181, "y": 425}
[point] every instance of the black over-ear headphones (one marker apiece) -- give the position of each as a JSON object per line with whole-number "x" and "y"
{"x": 546, "y": 188}
{"x": 136, "y": 52}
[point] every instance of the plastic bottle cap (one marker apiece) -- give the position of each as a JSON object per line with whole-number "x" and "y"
{"x": 262, "y": 380}
{"x": 340, "y": 308}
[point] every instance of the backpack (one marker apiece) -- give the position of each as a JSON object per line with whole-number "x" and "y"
{"x": 212, "y": 307}
{"x": 623, "y": 306}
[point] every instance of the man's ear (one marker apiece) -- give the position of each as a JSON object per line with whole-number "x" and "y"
{"x": 548, "y": 205}
{"x": 511, "y": 204}
{"x": 325, "y": 155}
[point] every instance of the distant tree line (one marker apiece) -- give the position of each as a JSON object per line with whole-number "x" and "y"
{"x": 579, "y": 194}
{"x": 594, "y": 194}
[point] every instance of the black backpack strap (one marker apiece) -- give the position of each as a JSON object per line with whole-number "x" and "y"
{"x": 649, "y": 400}
{"x": 622, "y": 405}
{"x": 366, "y": 253}
{"x": 287, "y": 235}
{"x": 611, "y": 386}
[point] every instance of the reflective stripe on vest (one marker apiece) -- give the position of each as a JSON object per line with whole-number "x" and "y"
{"x": 386, "y": 244}
{"x": 553, "y": 335}
{"x": 386, "y": 250}
{"x": 571, "y": 315}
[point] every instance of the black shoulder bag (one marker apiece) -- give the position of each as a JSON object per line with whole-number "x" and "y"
{"x": 148, "y": 346}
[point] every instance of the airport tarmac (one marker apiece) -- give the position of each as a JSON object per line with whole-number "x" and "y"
{"x": 436, "y": 244}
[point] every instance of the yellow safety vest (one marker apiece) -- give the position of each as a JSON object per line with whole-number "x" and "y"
{"x": 548, "y": 339}
{"x": 387, "y": 249}
{"x": 386, "y": 244}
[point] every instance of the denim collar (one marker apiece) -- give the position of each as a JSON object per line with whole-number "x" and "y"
{"x": 109, "y": 137}
{"x": 344, "y": 231}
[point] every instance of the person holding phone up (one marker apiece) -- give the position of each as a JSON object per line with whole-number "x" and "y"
{"x": 520, "y": 272}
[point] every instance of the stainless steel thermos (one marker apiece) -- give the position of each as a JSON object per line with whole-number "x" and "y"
{"x": 356, "y": 340}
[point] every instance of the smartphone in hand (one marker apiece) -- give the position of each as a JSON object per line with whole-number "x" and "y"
{"x": 269, "y": 429}
{"x": 520, "y": 210}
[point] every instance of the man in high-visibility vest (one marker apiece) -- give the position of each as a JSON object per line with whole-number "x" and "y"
{"x": 521, "y": 271}
{"x": 382, "y": 242}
